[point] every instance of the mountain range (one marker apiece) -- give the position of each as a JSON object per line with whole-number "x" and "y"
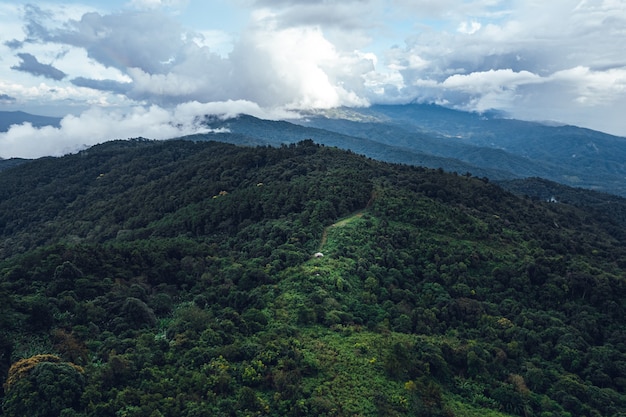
{"x": 481, "y": 144}
{"x": 484, "y": 145}
{"x": 9, "y": 118}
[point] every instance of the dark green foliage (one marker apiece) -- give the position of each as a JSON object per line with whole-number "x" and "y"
{"x": 49, "y": 389}
{"x": 137, "y": 314}
{"x": 182, "y": 277}
{"x": 483, "y": 144}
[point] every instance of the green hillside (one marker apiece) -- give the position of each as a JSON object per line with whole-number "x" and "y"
{"x": 180, "y": 278}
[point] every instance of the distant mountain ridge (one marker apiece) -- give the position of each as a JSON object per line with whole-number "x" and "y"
{"x": 483, "y": 145}
{"x": 9, "y": 118}
{"x": 245, "y": 129}
{"x": 566, "y": 154}
{"x": 435, "y": 137}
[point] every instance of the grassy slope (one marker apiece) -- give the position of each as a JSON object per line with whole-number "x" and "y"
{"x": 354, "y": 377}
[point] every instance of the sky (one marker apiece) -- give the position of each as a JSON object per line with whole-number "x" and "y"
{"x": 151, "y": 68}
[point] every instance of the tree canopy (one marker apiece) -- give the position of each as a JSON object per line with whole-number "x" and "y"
{"x": 178, "y": 278}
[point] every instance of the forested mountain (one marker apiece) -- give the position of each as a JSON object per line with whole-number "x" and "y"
{"x": 485, "y": 145}
{"x": 11, "y": 162}
{"x": 245, "y": 129}
{"x": 183, "y": 278}
{"x": 598, "y": 204}
{"x": 566, "y": 154}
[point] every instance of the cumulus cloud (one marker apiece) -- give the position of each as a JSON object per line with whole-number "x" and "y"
{"x": 270, "y": 65}
{"x": 32, "y": 65}
{"x": 484, "y": 90}
{"x": 580, "y": 95}
{"x": 485, "y": 82}
{"x": 524, "y": 58}
{"x": 296, "y": 54}
{"x": 559, "y": 60}
{"x": 295, "y": 67}
{"x": 593, "y": 87}
{"x": 143, "y": 39}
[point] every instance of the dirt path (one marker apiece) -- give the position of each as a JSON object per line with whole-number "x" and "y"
{"x": 340, "y": 223}
{"x": 345, "y": 221}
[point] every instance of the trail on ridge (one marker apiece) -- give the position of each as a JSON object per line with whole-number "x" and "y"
{"x": 345, "y": 221}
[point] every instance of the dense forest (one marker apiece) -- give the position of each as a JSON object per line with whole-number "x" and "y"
{"x": 180, "y": 278}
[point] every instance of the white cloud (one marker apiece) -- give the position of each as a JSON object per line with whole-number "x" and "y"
{"x": 76, "y": 62}
{"x": 556, "y": 60}
{"x": 294, "y": 67}
{"x": 157, "y": 4}
{"x": 162, "y": 85}
{"x": 271, "y": 64}
{"x": 469, "y": 28}
{"x": 46, "y": 91}
{"x": 489, "y": 81}
{"x": 217, "y": 41}
{"x": 593, "y": 88}
{"x": 534, "y": 59}
{"x": 97, "y": 125}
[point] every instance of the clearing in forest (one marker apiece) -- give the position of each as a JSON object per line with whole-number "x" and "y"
{"x": 340, "y": 223}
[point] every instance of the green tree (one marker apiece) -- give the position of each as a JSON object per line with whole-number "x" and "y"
{"x": 43, "y": 386}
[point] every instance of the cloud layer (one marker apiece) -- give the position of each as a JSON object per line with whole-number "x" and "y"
{"x": 560, "y": 60}
{"x": 98, "y": 125}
